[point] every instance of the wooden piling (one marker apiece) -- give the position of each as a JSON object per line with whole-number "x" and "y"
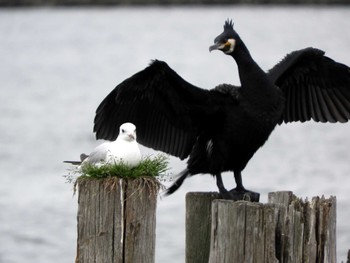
{"x": 306, "y": 230}
{"x": 240, "y": 232}
{"x": 198, "y": 225}
{"x": 116, "y": 220}
{"x": 285, "y": 230}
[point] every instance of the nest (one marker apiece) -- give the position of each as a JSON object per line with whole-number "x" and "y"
{"x": 146, "y": 174}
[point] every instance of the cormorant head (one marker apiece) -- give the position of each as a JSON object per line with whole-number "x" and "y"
{"x": 227, "y": 40}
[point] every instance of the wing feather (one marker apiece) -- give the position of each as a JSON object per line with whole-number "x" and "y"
{"x": 331, "y": 104}
{"x": 164, "y": 107}
{"x": 303, "y": 107}
{"x": 317, "y": 116}
{"x": 342, "y": 103}
{"x": 315, "y": 87}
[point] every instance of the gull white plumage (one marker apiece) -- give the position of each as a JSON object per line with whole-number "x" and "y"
{"x": 123, "y": 150}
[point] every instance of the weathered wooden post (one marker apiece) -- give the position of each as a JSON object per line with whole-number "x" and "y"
{"x": 116, "y": 220}
{"x": 198, "y": 225}
{"x": 242, "y": 232}
{"x": 286, "y": 229}
{"x": 305, "y": 230}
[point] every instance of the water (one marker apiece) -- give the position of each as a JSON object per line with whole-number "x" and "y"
{"x": 58, "y": 64}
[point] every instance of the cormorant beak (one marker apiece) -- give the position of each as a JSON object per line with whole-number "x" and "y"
{"x": 226, "y": 47}
{"x": 215, "y": 47}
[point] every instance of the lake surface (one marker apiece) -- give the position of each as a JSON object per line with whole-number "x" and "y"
{"x": 58, "y": 64}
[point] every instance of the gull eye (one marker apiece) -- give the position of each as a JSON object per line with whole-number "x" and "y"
{"x": 123, "y": 131}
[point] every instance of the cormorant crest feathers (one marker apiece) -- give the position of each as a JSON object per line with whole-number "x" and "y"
{"x": 228, "y": 24}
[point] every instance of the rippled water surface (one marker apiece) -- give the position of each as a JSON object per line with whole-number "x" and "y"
{"x": 58, "y": 64}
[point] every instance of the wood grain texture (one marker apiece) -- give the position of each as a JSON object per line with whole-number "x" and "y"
{"x": 285, "y": 230}
{"x": 116, "y": 220}
{"x": 198, "y": 225}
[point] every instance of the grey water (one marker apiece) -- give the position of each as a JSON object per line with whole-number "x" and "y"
{"x": 56, "y": 66}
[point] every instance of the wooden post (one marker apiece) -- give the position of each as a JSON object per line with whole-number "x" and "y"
{"x": 241, "y": 232}
{"x": 285, "y": 230}
{"x": 198, "y": 225}
{"x": 116, "y": 220}
{"x": 306, "y": 230}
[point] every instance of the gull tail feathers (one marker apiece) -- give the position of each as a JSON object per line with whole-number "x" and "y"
{"x": 83, "y": 156}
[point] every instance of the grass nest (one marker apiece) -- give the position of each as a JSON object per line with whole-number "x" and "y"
{"x": 146, "y": 174}
{"x": 148, "y": 167}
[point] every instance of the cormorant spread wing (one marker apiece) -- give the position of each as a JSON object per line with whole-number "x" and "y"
{"x": 314, "y": 86}
{"x": 168, "y": 112}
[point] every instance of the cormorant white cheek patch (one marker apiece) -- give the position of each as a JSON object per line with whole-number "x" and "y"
{"x": 231, "y": 43}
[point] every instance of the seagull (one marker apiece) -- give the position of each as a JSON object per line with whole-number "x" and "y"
{"x": 124, "y": 150}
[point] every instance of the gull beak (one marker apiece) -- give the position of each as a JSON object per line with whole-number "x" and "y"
{"x": 131, "y": 136}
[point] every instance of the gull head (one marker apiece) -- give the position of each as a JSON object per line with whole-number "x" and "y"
{"x": 127, "y": 132}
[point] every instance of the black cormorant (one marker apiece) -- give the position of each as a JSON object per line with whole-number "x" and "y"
{"x": 221, "y": 129}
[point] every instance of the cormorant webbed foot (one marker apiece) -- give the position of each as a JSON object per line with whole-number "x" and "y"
{"x": 243, "y": 194}
{"x": 238, "y": 193}
{"x": 226, "y": 195}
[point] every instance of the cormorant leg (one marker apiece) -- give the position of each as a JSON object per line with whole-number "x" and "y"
{"x": 238, "y": 179}
{"x": 240, "y": 193}
{"x": 220, "y": 183}
{"x": 224, "y": 193}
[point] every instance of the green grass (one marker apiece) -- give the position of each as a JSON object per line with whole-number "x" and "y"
{"x": 148, "y": 167}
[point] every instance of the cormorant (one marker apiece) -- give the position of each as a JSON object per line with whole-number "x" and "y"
{"x": 221, "y": 129}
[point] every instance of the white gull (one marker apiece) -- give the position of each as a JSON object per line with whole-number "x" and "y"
{"x": 124, "y": 150}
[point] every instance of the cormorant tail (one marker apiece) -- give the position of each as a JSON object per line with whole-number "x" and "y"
{"x": 182, "y": 176}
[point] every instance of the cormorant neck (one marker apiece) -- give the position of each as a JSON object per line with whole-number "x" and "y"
{"x": 246, "y": 65}
{"x": 254, "y": 81}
